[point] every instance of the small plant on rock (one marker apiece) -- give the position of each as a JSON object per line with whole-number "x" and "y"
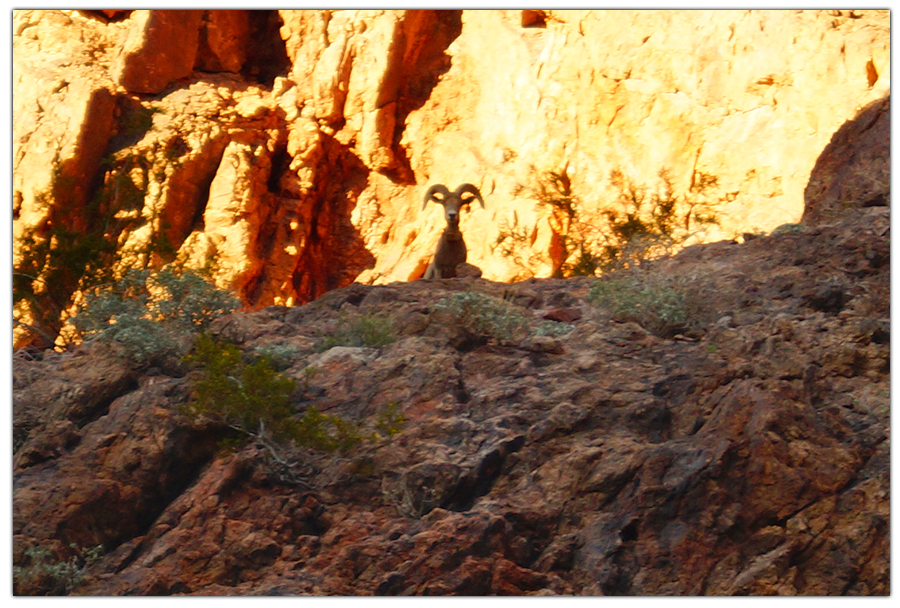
{"x": 651, "y": 223}
{"x": 484, "y": 315}
{"x": 281, "y": 356}
{"x": 46, "y": 575}
{"x": 369, "y": 330}
{"x": 659, "y": 305}
{"x": 251, "y": 398}
{"x": 390, "y": 420}
{"x": 553, "y": 329}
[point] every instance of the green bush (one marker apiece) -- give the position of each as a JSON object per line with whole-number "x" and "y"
{"x": 390, "y": 420}
{"x": 659, "y": 305}
{"x": 327, "y": 433}
{"x": 249, "y": 397}
{"x": 255, "y": 400}
{"x": 484, "y": 315}
{"x": 46, "y": 575}
{"x": 372, "y": 331}
{"x": 514, "y": 242}
{"x": 54, "y": 263}
{"x": 281, "y": 356}
{"x": 136, "y": 123}
{"x": 152, "y": 314}
{"x": 553, "y": 329}
{"x": 70, "y": 252}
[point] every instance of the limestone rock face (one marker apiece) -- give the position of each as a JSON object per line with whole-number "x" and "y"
{"x": 224, "y": 40}
{"x": 726, "y": 92}
{"x": 160, "y": 47}
{"x": 291, "y": 150}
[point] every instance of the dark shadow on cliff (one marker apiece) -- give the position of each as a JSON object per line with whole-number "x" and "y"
{"x": 418, "y": 61}
{"x": 335, "y": 252}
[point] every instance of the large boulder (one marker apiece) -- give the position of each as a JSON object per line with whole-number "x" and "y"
{"x": 854, "y": 170}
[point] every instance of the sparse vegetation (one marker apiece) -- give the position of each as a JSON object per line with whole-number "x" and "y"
{"x": 650, "y": 224}
{"x": 254, "y": 400}
{"x": 136, "y": 123}
{"x": 640, "y": 225}
{"x": 484, "y": 315}
{"x": 281, "y": 356}
{"x": 152, "y": 315}
{"x": 660, "y": 305}
{"x": 372, "y": 331}
{"x": 490, "y": 317}
{"x": 553, "y": 329}
{"x": 515, "y": 243}
{"x": 75, "y": 246}
{"x": 249, "y": 397}
{"x": 56, "y": 257}
{"x": 790, "y": 229}
{"x": 390, "y": 420}
{"x": 44, "y": 574}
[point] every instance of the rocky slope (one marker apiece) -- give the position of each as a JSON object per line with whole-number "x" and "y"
{"x": 733, "y": 440}
{"x": 747, "y": 455}
{"x": 292, "y": 148}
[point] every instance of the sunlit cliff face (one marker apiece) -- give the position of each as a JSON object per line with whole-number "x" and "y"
{"x": 289, "y": 150}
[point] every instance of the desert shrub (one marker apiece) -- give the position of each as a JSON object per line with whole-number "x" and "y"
{"x": 389, "y": 420}
{"x": 791, "y": 229}
{"x": 152, "y": 314}
{"x": 69, "y": 252}
{"x": 135, "y": 124}
{"x": 54, "y": 261}
{"x": 490, "y": 317}
{"x": 281, "y": 356}
{"x": 553, "y": 329}
{"x": 514, "y": 242}
{"x": 369, "y": 330}
{"x": 44, "y": 574}
{"x": 650, "y": 223}
{"x": 484, "y": 315}
{"x": 256, "y": 401}
{"x": 662, "y": 306}
{"x": 249, "y": 397}
{"x": 327, "y": 433}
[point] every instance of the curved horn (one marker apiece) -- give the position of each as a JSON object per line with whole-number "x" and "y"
{"x": 464, "y": 188}
{"x": 429, "y": 196}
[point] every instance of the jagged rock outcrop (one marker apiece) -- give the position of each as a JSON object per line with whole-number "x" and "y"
{"x": 159, "y": 48}
{"x": 748, "y": 455}
{"x": 855, "y": 167}
{"x": 291, "y": 147}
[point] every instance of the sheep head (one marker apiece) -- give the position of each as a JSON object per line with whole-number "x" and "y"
{"x": 453, "y": 201}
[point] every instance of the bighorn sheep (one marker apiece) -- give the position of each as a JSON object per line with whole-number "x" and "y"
{"x": 451, "y": 249}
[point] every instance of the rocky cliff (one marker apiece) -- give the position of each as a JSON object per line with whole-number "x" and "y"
{"x": 749, "y": 454}
{"x": 715, "y": 422}
{"x": 289, "y": 150}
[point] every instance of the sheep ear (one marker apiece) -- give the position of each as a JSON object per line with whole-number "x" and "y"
{"x": 469, "y": 189}
{"x": 436, "y": 189}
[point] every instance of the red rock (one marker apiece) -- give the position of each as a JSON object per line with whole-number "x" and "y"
{"x": 563, "y": 315}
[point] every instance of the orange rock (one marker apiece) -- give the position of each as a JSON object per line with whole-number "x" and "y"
{"x": 295, "y": 157}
